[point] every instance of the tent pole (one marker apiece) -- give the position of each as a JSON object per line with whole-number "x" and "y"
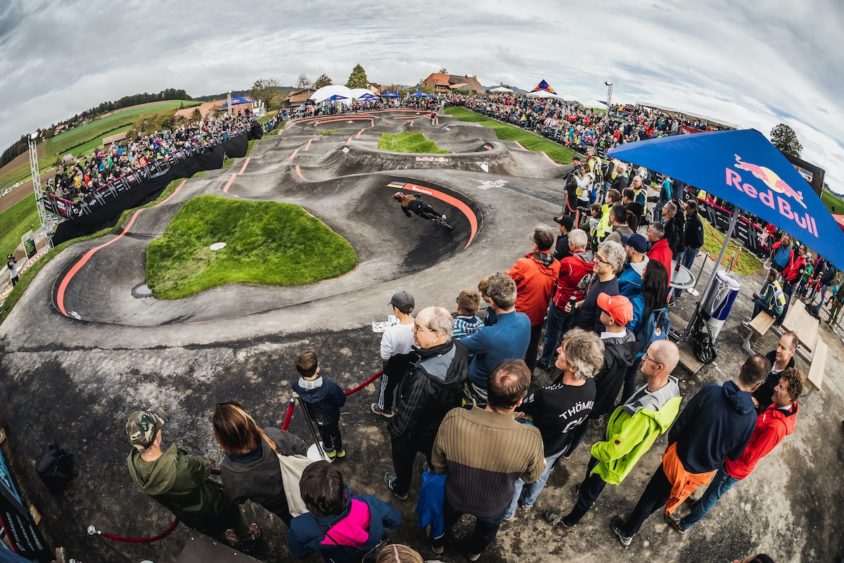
{"x": 711, "y": 281}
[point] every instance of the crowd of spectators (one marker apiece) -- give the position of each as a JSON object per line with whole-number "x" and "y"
{"x": 126, "y": 163}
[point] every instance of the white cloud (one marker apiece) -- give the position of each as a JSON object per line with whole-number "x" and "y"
{"x": 748, "y": 64}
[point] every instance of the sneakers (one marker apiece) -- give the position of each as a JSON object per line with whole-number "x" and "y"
{"x": 616, "y": 525}
{"x": 674, "y": 523}
{"x": 473, "y": 556}
{"x": 330, "y": 454}
{"x": 375, "y": 410}
{"x": 341, "y": 455}
{"x": 557, "y": 519}
{"x": 438, "y": 545}
{"x": 390, "y": 481}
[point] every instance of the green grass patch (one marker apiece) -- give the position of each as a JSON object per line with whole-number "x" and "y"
{"x": 713, "y": 239}
{"x": 267, "y": 116}
{"x": 833, "y": 202}
{"x": 408, "y": 141}
{"x": 267, "y": 243}
{"x": 506, "y": 132}
{"x": 326, "y": 132}
{"x": 15, "y": 221}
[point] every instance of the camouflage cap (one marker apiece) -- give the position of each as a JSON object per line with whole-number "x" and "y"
{"x": 143, "y": 426}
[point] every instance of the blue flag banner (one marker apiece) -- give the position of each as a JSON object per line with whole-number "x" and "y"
{"x": 744, "y": 168}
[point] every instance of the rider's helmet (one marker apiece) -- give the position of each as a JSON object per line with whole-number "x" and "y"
{"x": 398, "y": 196}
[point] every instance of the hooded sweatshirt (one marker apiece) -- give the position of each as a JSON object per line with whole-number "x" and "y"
{"x": 716, "y": 424}
{"x": 633, "y": 428}
{"x": 179, "y": 481}
{"x": 618, "y": 356}
{"x": 322, "y": 397}
{"x": 431, "y": 388}
{"x": 536, "y": 276}
{"x": 772, "y": 425}
{"x": 343, "y": 537}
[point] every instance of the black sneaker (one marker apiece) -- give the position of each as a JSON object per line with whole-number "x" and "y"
{"x": 674, "y": 523}
{"x": 616, "y": 525}
{"x": 543, "y": 365}
{"x": 390, "y": 480}
{"x": 557, "y": 519}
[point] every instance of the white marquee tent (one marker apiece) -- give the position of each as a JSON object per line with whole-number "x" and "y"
{"x": 333, "y": 90}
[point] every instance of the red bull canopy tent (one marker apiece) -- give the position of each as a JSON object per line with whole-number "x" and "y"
{"x": 744, "y": 168}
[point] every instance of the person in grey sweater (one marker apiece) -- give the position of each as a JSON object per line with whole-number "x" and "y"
{"x": 250, "y": 470}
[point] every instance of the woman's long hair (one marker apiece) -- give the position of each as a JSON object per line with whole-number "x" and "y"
{"x": 235, "y": 430}
{"x": 654, "y": 286}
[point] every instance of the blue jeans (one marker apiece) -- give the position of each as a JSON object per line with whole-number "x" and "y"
{"x": 556, "y": 326}
{"x": 689, "y": 256}
{"x": 717, "y": 488}
{"x": 528, "y": 494}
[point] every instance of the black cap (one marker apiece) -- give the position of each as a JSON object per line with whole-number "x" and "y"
{"x": 565, "y": 220}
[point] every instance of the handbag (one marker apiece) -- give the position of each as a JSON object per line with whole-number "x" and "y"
{"x": 292, "y": 467}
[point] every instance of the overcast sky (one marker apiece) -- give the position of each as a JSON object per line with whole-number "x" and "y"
{"x": 752, "y": 66}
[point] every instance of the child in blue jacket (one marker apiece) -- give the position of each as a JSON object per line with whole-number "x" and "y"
{"x": 343, "y": 527}
{"x": 323, "y": 399}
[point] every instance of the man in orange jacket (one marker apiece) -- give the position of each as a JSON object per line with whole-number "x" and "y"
{"x": 536, "y": 276}
{"x": 772, "y": 425}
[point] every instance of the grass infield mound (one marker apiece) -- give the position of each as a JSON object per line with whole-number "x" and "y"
{"x": 267, "y": 243}
{"x": 408, "y": 141}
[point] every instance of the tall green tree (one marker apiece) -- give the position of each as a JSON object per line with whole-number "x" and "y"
{"x": 358, "y": 78}
{"x": 264, "y": 89}
{"x": 785, "y": 139}
{"x": 322, "y": 80}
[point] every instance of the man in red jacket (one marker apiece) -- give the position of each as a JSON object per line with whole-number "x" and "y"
{"x": 536, "y": 276}
{"x": 772, "y": 425}
{"x": 790, "y": 277}
{"x": 660, "y": 250}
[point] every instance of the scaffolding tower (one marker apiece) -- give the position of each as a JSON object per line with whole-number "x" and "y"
{"x": 48, "y": 220}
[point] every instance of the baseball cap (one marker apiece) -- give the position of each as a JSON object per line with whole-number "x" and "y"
{"x": 636, "y": 241}
{"x": 403, "y": 301}
{"x": 618, "y": 307}
{"x": 143, "y": 426}
{"x": 567, "y": 221}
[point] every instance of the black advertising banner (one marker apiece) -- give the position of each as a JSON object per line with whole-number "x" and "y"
{"x": 17, "y": 529}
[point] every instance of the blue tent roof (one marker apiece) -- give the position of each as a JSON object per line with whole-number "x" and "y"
{"x": 368, "y": 96}
{"x": 744, "y": 168}
{"x": 419, "y": 94}
{"x": 237, "y": 101}
{"x": 390, "y": 95}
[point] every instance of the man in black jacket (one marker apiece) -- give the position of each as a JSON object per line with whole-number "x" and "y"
{"x": 716, "y": 423}
{"x": 692, "y": 234}
{"x": 432, "y": 387}
{"x": 674, "y": 226}
{"x": 566, "y": 223}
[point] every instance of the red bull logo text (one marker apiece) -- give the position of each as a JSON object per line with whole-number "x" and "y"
{"x": 773, "y": 195}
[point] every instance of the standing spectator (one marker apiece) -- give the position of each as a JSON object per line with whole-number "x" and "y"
{"x": 631, "y": 431}
{"x": 827, "y": 280}
{"x": 466, "y": 320}
{"x": 623, "y": 223}
{"x": 780, "y": 359}
{"x": 323, "y": 399}
{"x": 488, "y": 316}
{"x": 630, "y": 279}
{"x": 783, "y": 252}
{"x": 772, "y": 425}
{"x": 605, "y": 226}
{"x": 619, "y": 344}
{"x": 575, "y": 275}
{"x": 608, "y": 262}
{"x": 660, "y": 249}
{"x": 665, "y": 195}
{"x": 181, "y": 482}
{"x": 628, "y": 199}
{"x": 572, "y": 178}
{"x": 11, "y": 264}
{"x": 674, "y": 227}
{"x": 433, "y": 386}
{"x": 536, "y": 276}
{"x": 507, "y": 339}
{"x": 837, "y": 302}
{"x": 620, "y": 180}
{"x": 560, "y": 409}
{"x": 692, "y": 235}
{"x": 561, "y": 247}
{"x": 396, "y": 353}
{"x": 250, "y": 469}
{"x": 716, "y": 424}
{"x": 344, "y": 527}
{"x": 640, "y": 197}
{"x": 484, "y": 451}
{"x": 791, "y": 276}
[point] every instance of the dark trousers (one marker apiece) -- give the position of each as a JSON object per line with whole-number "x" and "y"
{"x": 533, "y": 346}
{"x": 405, "y": 448}
{"x": 788, "y": 290}
{"x": 630, "y": 380}
{"x": 589, "y": 491}
{"x": 482, "y": 536}
{"x": 655, "y": 495}
{"x": 387, "y": 392}
{"x": 330, "y": 435}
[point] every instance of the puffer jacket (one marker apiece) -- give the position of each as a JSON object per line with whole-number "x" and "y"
{"x": 630, "y": 286}
{"x": 536, "y": 276}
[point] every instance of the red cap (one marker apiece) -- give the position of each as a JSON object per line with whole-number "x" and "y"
{"x": 618, "y": 307}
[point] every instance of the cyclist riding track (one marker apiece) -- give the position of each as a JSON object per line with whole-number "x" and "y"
{"x": 491, "y": 192}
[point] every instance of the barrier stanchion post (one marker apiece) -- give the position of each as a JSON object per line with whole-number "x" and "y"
{"x": 309, "y": 421}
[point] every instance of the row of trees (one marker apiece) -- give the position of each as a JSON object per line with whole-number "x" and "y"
{"x": 272, "y": 93}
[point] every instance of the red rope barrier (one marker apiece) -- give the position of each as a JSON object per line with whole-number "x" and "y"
{"x": 142, "y": 539}
{"x": 288, "y": 415}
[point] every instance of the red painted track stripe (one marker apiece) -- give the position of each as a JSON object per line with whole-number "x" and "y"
{"x": 245, "y": 164}
{"x": 299, "y": 173}
{"x": 359, "y": 133}
{"x": 453, "y": 201}
{"x": 87, "y": 256}
{"x": 293, "y": 154}
{"x": 308, "y": 144}
{"x": 229, "y": 183}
